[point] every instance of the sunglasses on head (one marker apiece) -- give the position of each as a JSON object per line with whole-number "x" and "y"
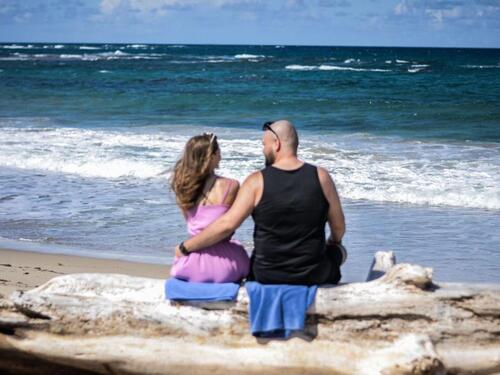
{"x": 267, "y": 126}
{"x": 212, "y": 136}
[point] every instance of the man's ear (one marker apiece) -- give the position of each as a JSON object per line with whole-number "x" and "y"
{"x": 278, "y": 146}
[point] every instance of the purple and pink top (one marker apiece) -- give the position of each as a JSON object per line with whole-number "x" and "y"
{"x": 226, "y": 261}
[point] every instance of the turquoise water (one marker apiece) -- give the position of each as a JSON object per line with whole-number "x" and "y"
{"x": 422, "y": 93}
{"x": 410, "y": 135}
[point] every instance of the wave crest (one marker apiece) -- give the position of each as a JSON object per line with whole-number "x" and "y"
{"x": 333, "y": 67}
{"x": 364, "y": 168}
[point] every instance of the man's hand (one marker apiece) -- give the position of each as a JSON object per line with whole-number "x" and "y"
{"x": 331, "y": 241}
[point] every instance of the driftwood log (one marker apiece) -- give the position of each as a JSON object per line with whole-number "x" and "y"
{"x": 400, "y": 322}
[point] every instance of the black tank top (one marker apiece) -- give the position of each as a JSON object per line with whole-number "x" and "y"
{"x": 289, "y": 234}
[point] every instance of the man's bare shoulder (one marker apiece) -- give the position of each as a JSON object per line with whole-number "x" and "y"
{"x": 254, "y": 179}
{"x": 246, "y": 198}
{"x": 324, "y": 175}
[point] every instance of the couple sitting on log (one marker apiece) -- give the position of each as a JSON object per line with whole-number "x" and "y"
{"x": 290, "y": 202}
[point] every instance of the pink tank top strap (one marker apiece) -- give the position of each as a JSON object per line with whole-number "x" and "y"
{"x": 229, "y": 185}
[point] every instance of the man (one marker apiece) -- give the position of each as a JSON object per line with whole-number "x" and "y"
{"x": 290, "y": 202}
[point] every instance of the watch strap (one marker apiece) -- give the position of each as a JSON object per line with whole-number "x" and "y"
{"x": 183, "y": 249}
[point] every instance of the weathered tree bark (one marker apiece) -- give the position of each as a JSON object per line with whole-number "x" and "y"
{"x": 400, "y": 323}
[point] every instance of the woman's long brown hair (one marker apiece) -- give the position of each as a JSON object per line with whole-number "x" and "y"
{"x": 193, "y": 169}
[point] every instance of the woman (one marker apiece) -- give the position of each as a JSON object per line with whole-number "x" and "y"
{"x": 203, "y": 197}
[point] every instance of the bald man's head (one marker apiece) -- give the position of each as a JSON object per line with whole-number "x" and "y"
{"x": 287, "y": 134}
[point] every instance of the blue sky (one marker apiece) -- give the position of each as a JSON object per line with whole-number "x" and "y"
{"x": 450, "y": 23}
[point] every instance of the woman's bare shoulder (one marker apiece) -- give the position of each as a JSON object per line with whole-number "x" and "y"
{"x": 229, "y": 188}
{"x": 224, "y": 182}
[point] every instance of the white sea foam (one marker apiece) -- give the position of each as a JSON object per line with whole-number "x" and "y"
{"x": 89, "y": 57}
{"x": 17, "y": 46}
{"x": 215, "y": 61}
{"x": 115, "y": 53}
{"x": 143, "y": 57}
{"x": 12, "y": 58}
{"x": 70, "y": 56}
{"x": 364, "y": 167}
{"x": 391, "y": 170}
{"x": 402, "y": 61}
{"x": 248, "y": 56}
{"x": 352, "y": 60}
{"x": 184, "y": 62}
{"x": 415, "y": 68}
{"x": 84, "y": 57}
{"x": 53, "y": 46}
{"x": 89, "y": 48}
{"x": 334, "y": 67}
{"x": 388, "y": 61}
{"x": 104, "y": 71}
{"x": 137, "y": 46}
{"x": 94, "y": 57}
{"x": 16, "y": 57}
{"x": 301, "y": 67}
{"x": 481, "y": 66}
{"x": 84, "y": 153}
{"x": 194, "y": 59}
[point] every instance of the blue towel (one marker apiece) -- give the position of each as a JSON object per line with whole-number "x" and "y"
{"x": 278, "y": 310}
{"x": 180, "y": 290}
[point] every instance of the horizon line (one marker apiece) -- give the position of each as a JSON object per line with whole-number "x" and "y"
{"x": 257, "y": 44}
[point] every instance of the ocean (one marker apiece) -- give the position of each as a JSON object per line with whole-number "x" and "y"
{"x": 411, "y": 136}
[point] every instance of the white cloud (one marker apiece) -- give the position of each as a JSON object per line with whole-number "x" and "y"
{"x": 438, "y": 15}
{"x": 401, "y": 8}
{"x": 441, "y": 11}
{"x": 23, "y": 17}
{"x": 109, "y": 6}
{"x": 155, "y": 6}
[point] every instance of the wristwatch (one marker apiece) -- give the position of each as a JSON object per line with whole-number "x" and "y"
{"x": 183, "y": 249}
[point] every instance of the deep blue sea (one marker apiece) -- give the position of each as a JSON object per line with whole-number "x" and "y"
{"x": 411, "y": 136}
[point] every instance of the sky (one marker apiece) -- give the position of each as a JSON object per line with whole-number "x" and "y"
{"x": 431, "y": 23}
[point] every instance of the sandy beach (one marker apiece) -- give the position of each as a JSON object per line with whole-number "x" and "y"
{"x": 24, "y": 270}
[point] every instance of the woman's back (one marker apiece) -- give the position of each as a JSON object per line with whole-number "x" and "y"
{"x": 216, "y": 203}
{"x": 226, "y": 261}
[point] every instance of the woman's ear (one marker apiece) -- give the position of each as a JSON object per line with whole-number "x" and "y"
{"x": 216, "y": 159}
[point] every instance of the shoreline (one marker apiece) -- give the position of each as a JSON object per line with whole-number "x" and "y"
{"x": 75, "y": 250}
{"x": 24, "y": 270}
